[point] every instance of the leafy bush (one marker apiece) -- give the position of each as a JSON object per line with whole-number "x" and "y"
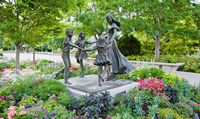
{"x": 42, "y": 63}
{"x": 96, "y": 105}
{"x": 194, "y": 93}
{"x": 146, "y": 73}
{"x": 184, "y": 109}
{"x": 172, "y": 94}
{"x": 154, "y": 85}
{"x": 167, "y": 113}
{"x": 25, "y": 64}
{"x": 129, "y": 45}
{"x": 43, "y": 89}
{"x": 192, "y": 64}
{"x": 1, "y": 52}
{"x": 169, "y": 59}
{"x": 40, "y": 88}
{"x": 178, "y": 83}
{"x": 141, "y": 58}
{"x": 194, "y": 105}
{"x": 4, "y": 65}
{"x": 27, "y": 101}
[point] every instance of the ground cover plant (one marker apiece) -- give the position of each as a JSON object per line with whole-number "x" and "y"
{"x": 160, "y": 95}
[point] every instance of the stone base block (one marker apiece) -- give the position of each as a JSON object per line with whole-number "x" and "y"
{"x": 89, "y": 85}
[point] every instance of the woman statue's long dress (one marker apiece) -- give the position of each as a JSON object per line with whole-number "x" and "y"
{"x": 120, "y": 65}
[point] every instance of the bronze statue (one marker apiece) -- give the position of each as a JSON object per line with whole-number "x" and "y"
{"x": 67, "y": 46}
{"x": 102, "y": 59}
{"x": 120, "y": 64}
{"x": 80, "y": 55}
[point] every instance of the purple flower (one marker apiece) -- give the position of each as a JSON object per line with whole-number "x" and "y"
{"x": 126, "y": 101}
{"x": 13, "y": 94}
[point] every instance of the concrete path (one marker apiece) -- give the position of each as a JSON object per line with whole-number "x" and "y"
{"x": 193, "y": 78}
{"x": 50, "y": 56}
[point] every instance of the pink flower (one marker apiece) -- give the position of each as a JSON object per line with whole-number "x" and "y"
{"x": 133, "y": 95}
{"x": 1, "y": 117}
{"x": 41, "y": 81}
{"x": 11, "y": 114}
{"x": 35, "y": 84}
{"x": 2, "y": 97}
{"x": 12, "y": 108}
{"x": 198, "y": 104}
{"x": 22, "y": 112}
{"x": 159, "y": 94}
{"x": 74, "y": 68}
{"x": 58, "y": 93}
{"x": 22, "y": 107}
{"x": 33, "y": 63}
{"x": 109, "y": 117}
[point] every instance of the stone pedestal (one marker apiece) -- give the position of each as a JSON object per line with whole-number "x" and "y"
{"x": 89, "y": 85}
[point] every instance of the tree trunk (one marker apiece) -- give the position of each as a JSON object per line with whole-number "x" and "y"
{"x": 52, "y": 50}
{"x": 157, "y": 48}
{"x": 33, "y": 55}
{"x": 17, "y": 50}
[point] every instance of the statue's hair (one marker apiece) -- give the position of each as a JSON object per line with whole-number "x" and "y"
{"x": 81, "y": 34}
{"x": 113, "y": 20}
{"x": 68, "y": 31}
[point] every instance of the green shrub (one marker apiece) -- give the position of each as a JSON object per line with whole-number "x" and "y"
{"x": 168, "y": 113}
{"x": 194, "y": 94}
{"x": 193, "y": 104}
{"x": 192, "y": 64}
{"x": 43, "y": 89}
{"x": 178, "y": 83}
{"x": 129, "y": 45}
{"x": 42, "y": 63}
{"x": 146, "y": 73}
{"x": 184, "y": 109}
{"x": 95, "y": 105}
{"x": 141, "y": 58}
{"x": 169, "y": 59}
{"x": 76, "y": 71}
{"x": 4, "y": 65}
{"x": 1, "y": 52}
{"x": 27, "y": 100}
{"x": 40, "y": 88}
{"x": 25, "y": 64}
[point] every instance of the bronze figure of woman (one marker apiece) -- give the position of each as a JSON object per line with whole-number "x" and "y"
{"x": 120, "y": 65}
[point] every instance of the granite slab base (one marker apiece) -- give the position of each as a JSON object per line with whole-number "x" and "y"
{"x": 89, "y": 85}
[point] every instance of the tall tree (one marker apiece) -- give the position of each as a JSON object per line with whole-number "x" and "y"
{"x": 159, "y": 17}
{"x": 23, "y": 15}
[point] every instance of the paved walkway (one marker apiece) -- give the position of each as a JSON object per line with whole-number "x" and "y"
{"x": 193, "y": 78}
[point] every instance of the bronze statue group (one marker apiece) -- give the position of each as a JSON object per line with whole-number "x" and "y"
{"x": 109, "y": 59}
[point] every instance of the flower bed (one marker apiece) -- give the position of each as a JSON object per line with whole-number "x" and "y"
{"x": 160, "y": 95}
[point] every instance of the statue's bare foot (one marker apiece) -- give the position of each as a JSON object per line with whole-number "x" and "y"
{"x": 81, "y": 76}
{"x": 111, "y": 77}
{"x": 101, "y": 77}
{"x": 114, "y": 79}
{"x": 67, "y": 82}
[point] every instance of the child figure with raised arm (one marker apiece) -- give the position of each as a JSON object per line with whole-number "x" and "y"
{"x": 102, "y": 59}
{"x": 80, "y": 55}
